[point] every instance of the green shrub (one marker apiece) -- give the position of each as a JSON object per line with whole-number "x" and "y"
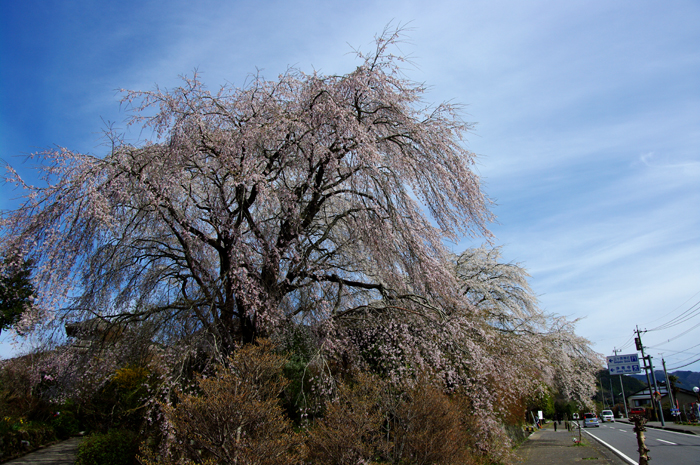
{"x": 36, "y": 434}
{"x": 236, "y": 417}
{"x": 116, "y": 447}
{"x": 119, "y": 403}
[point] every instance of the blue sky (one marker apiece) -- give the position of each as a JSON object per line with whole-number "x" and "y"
{"x": 587, "y": 112}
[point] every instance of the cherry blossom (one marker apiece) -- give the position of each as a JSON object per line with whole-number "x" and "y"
{"x": 312, "y": 201}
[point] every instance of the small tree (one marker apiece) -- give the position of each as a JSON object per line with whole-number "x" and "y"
{"x": 235, "y": 416}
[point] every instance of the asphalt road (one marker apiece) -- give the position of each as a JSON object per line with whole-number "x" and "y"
{"x": 665, "y": 447}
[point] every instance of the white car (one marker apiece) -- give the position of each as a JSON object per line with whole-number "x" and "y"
{"x": 607, "y": 415}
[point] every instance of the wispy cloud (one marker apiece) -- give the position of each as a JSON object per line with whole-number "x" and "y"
{"x": 587, "y": 115}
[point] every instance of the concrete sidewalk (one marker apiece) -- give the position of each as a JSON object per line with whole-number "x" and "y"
{"x": 670, "y": 426}
{"x": 549, "y": 447}
{"x": 62, "y": 453}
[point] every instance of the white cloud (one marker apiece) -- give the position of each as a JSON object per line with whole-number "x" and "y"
{"x": 587, "y": 117}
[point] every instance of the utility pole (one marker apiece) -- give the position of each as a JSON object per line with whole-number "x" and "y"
{"x": 656, "y": 389}
{"x": 668, "y": 386}
{"x": 640, "y": 346}
{"x": 612, "y": 394}
{"x": 622, "y": 387}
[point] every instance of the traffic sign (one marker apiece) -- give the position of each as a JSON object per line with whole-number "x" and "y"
{"x": 623, "y": 364}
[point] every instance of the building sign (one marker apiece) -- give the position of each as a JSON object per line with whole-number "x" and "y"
{"x": 623, "y": 364}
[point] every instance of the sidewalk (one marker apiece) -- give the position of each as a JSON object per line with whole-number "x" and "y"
{"x": 62, "y": 453}
{"x": 549, "y": 447}
{"x": 670, "y": 426}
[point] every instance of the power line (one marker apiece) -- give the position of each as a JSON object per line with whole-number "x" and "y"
{"x": 682, "y": 366}
{"x": 685, "y": 316}
{"x": 685, "y": 359}
{"x": 675, "y": 351}
{"x": 679, "y": 335}
{"x": 627, "y": 342}
{"x": 681, "y": 305}
{"x": 680, "y": 319}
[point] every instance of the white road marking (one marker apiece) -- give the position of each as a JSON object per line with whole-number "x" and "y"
{"x": 633, "y": 462}
{"x": 668, "y": 442}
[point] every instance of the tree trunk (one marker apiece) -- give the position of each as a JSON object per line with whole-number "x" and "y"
{"x": 639, "y": 428}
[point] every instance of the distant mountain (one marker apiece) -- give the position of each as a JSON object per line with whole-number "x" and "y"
{"x": 686, "y": 379}
{"x": 608, "y": 383}
{"x": 634, "y": 383}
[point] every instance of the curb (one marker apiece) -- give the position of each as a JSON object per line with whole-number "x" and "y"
{"x": 677, "y": 430}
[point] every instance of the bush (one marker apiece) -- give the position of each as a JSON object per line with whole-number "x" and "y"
{"x": 352, "y": 429}
{"x": 36, "y": 434}
{"x": 429, "y": 429}
{"x": 116, "y": 447}
{"x": 235, "y": 416}
{"x": 119, "y": 404}
{"x": 373, "y": 422}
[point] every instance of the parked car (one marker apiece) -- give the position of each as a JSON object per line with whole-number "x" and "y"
{"x": 590, "y": 420}
{"x": 607, "y": 415}
{"x": 638, "y": 411}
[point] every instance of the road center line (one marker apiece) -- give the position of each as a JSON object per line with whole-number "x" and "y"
{"x": 667, "y": 442}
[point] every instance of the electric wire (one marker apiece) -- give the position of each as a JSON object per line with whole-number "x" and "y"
{"x": 627, "y": 342}
{"x": 676, "y": 352}
{"x": 682, "y": 366}
{"x": 687, "y": 358}
{"x": 690, "y": 313}
{"x": 685, "y": 316}
{"x": 678, "y": 335}
{"x": 681, "y": 305}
